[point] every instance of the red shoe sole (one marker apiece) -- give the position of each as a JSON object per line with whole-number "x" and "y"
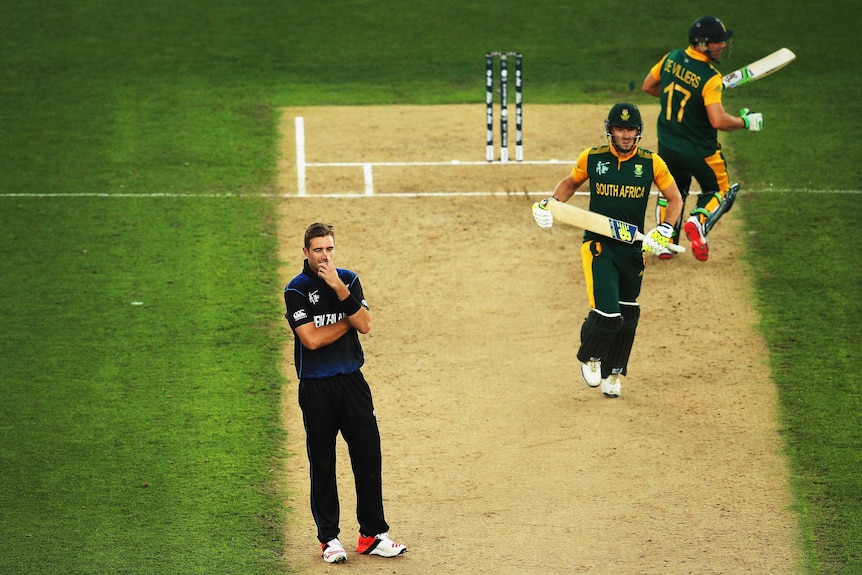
{"x": 698, "y": 245}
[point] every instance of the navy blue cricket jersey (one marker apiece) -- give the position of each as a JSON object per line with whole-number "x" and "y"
{"x": 308, "y": 299}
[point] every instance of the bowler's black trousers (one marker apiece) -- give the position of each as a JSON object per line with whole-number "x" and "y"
{"x": 342, "y": 403}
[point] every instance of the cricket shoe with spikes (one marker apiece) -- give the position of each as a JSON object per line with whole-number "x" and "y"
{"x": 591, "y": 371}
{"x": 611, "y": 385}
{"x": 333, "y": 551}
{"x": 379, "y": 544}
{"x": 694, "y": 231}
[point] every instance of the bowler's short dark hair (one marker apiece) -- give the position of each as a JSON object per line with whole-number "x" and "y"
{"x": 318, "y": 230}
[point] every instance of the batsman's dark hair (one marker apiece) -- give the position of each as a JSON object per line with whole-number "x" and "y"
{"x": 318, "y": 230}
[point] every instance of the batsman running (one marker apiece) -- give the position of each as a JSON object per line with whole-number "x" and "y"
{"x": 620, "y": 175}
{"x": 690, "y": 89}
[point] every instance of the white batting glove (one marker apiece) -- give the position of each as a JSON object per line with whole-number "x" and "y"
{"x": 656, "y": 240}
{"x": 753, "y": 120}
{"x": 543, "y": 216}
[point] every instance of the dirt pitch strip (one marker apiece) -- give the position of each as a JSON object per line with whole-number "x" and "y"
{"x": 497, "y": 458}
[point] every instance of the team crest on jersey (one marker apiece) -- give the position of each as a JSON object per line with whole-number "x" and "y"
{"x": 602, "y": 167}
{"x": 639, "y": 170}
{"x": 313, "y": 297}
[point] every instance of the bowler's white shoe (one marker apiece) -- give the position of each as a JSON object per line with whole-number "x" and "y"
{"x": 379, "y": 544}
{"x": 611, "y": 385}
{"x": 591, "y": 371}
{"x": 333, "y": 552}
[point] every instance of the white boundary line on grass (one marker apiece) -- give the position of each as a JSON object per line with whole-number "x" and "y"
{"x": 354, "y": 195}
{"x": 367, "y": 169}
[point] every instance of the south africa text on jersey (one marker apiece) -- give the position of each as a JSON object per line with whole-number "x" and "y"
{"x": 617, "y": 191}
{"x": 328, "y": 318}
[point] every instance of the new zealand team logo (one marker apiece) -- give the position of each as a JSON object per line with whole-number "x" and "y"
{"x": 313, "y": 297}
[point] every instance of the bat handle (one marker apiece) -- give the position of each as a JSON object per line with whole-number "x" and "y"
{"x": 639, "y": 237}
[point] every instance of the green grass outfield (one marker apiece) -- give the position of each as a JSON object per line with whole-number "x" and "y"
{"x": 140, "y": 340}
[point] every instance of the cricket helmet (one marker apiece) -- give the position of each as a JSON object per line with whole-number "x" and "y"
{"x": 624, "y": 115}
{"x": 708, "y": 29}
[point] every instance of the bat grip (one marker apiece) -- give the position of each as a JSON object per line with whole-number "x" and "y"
{"x": 639, "y": 237}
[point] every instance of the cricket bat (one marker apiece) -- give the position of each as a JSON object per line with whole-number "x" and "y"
{"x": 759, "y": 69}
{"x": 599, "y": 224}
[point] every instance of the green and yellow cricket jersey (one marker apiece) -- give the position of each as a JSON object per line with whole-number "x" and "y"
{"x": 689, "y": 83}
{"x": 620, "y": 188}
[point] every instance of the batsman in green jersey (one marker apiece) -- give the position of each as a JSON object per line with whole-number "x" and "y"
{"x": 690, "y": 90}
{"x": 620, "y": 175}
